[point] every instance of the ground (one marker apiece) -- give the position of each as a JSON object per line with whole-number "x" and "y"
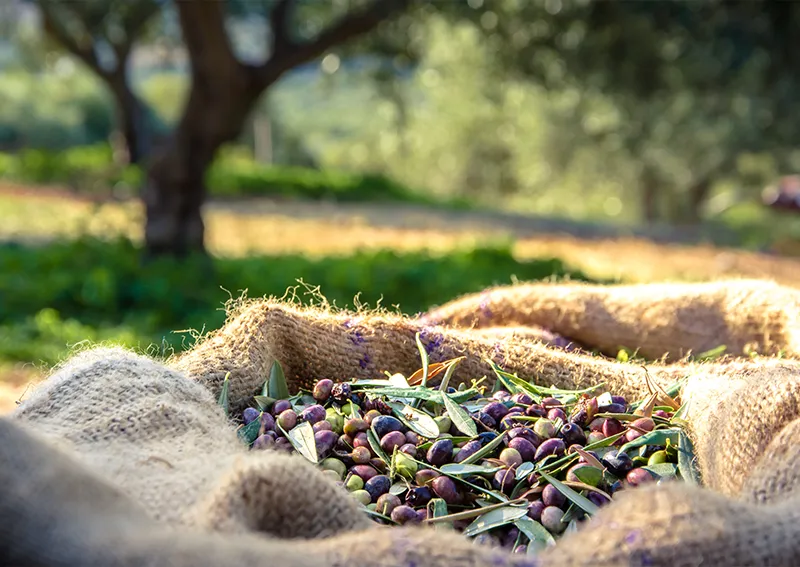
{"x": 328, "y": 228}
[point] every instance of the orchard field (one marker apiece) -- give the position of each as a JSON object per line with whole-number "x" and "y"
{"x": 266, "y": 246}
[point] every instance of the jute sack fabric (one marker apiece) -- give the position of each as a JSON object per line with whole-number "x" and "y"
{"x": 121, "y": 460}
{"x": 659, "y": 320}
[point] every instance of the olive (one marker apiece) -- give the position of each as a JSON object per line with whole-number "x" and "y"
{"x": 551, "y": 496}
{"x": 323, "y": 426}
{"x": 419, "y": 496}
{"x": 322, "y": 390}
{"x": 287, "y": 419}
{"x": 550, "y": 447}
{"x": 386, "y": 503}
{"x": 510, "y": 457}
{"x": 405, "y": 515}
{"x": 425, "y": 476}
{"x": 469, "y": 449}
{"x": 384, "y": 424}
{"x": 360, "y": 455}
{"x": 377, "y": 486}
{"x": 366, "y": 472}
{"x": 553, "y": 519}
{"x": 638, "y": 477}
{"x": 280, "y": 406}
{"x": 362, "y": 496}
{"x": 325, "y": 442}
{"x": 525, "y": 448}
{"x": 313, "y": 414}
{"x": 263, "y": 442}
{"x": 440, "y": 452}
{"x": 445, "y": 488}
{"x": 496, "y": 410}
{"x": 535, "y": 510}
{"x": 354, "y": 426}
{"x": 392, "y": 440}
{"x": 249, "y": 415}
{"x": 556, "y": 413}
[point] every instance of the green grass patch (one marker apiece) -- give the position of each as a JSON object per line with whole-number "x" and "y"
{"x": 57, "y": 295}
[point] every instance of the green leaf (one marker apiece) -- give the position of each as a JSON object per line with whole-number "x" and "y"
{"x": 524, "y": 470}
{"x": 302, "y": 439}
{"x": 483, "y": 451}
{"x": 419, "y": 422}
{"x": 366, "y": 384}
{"x": 277, "y": 387}
{"x": 437, "y": 508}
{"x": 539, "y": 391}
{"x": 446, "y": 379}
{"x": 249, "y": 432}
{"x": 686, "y": 460}
{"x": 398, "y": 488}
{"x": 495, "y": 519}
{"x": 538, "y": 536}
{"x": 663, "y": 470}
{"x": 459, "y": 416}
{"x": 456, "y": 440}
{"x": 457, "y": 469}
{"x": 711, "y": 354}
{"x": 584, "y": 503}
{"x": 659, "y": 437}
{"x": 425, "y": 394}
{"x": 376, "y": 446}
{"x": 264, "y": 402}
{"x": 223, "y": 395}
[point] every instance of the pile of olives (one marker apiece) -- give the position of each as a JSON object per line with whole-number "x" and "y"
{"x": 516, "y": 467}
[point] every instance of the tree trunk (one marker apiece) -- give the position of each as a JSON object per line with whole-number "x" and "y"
{"x": 698, "y": 195}
{"x": 132, "y": 118}
{"x": 649, "y": 195}
{"x": 175, "y": 189}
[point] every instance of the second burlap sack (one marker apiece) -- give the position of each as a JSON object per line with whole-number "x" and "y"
{"x": 157, "y": 435}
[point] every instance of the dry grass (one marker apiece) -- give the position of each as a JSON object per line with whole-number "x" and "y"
{"x": 324, "y": 229}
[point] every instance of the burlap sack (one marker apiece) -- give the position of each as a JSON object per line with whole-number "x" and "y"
{"x": 168, "y": 473}
{"x": 659, "y": 320}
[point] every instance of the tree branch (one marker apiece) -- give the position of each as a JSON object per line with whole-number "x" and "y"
{"x": 85, "y": 53}
{"x": 279, "y": 25}
{"x": 347, "y": 28}
{"x": 203, "y": 28}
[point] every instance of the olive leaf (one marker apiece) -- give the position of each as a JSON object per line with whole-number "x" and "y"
{"x": 659, "y": 437}
{"x": 399, "y": 381}
{"x": 459, "y": 416}
{"x": 483, "y": 451}
{"x": 249, "y": 432}
{"x": 468, "y": 469}
{"x": 375, "y": 444}
{"x": 437, "y": 508}
{"x": 302, "y": 439}
{"x": 451, "y": 368}
{"x": 264, "y": 403}
{"x": 223, "y": 395}
{"x": 398, "y": 488}
{"x": 538, "y": 536}
{"x": 277, "y": 387}
{"x": 419, "y": 422}
{"x": 456, "y": 440}
{"x": 524, "y": 470}
{"x": 662, "y": 470}
{"x": 584, "y": 503}
{"x": 538, "y": 391}
{"x": 425, "y": 394}
{"x": 495, "y": 519}
{"x": 711, "y": 354}
{"x": 686, "y": 460}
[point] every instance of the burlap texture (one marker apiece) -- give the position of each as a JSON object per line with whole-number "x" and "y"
{"x": 664, "y": 319}
{"x": 167, "y": 474}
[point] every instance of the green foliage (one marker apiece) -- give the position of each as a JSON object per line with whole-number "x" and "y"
{"x": 64, "y": 293}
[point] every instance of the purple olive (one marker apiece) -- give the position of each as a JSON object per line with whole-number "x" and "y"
{"x": 497, "y": 410}
{"x": 323, "y": 426}
{"x": 313, "y": 414}
{"x": 409, "y": 449}
{"x": 535, "y": 410}
{"x": 548, "y": 403}
{"x": 341, "y": 392}
{"x": 487, "y": 420}
{"x": 287, "y": 419}
{"x": 594, "y": 437}
{"x": 597, "y": 499}
{"x": 386, "y": 424}
{"x": 614, "y": 408}
{"x": 445, "y": 488}
{"x": 644, "y": 423}
{"x": 280, "y": 406}
{"x": 440, "y": 453}
{"x": 556, "y": 413}
{"x": 263, "y": 442}
{"x": 516, "y": 409}
{"x": 386, "y": 503}
{"x": 579, "y": 417}
{"x": 283, "y": 444}
{"x": 504, "y": 480}
{"x": 535, "y": 510}
{"x": 325, "y": 441}
{"x": 553, "y": 519}
{"x": 322, "y": 390}
{"x": 371, "y": 415}
{"x": 345, "y": 443}
{"x": 597, "y": 424}
{"x": 425, "y": 476}
{"x": 422, "y": 514}
{"x": 354, "y": 426}
{"x": 550, "y": 447}
{"x": 366, "y": 472}
{"x": 361, "y": 455}
{"x": 522, "y": 398}
{"x": 249, "y": 415}
{"x": 612, "y": 427}
{"x": 419, "y": 496}
{"x": 412, "y": 438}
{"x": 618, "y": 463}
{"x": 501, "y": 395}
{"x": 377, "y": 486}
{"x": 619, "y": 400}
{"x": 469, "y": 449}
{"x": 661, "y": 413}
{"x": 507, "y": 422}
{"x": 572, "y": 434}
{"x": 637, "y": 477}
{"x": 361, "y": 440}
{"x": 392, "y": 440}
{"x": 525, "y": 433}
{"x": 525, "y": 448}
{"x": 405, "y": 515}
{"x": 632, "y": 435}
{"x": 551, "y": 496}
{"x": 267, "y": 422}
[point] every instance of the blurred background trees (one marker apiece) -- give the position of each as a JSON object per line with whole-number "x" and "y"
{"x": 632, "y": 112}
